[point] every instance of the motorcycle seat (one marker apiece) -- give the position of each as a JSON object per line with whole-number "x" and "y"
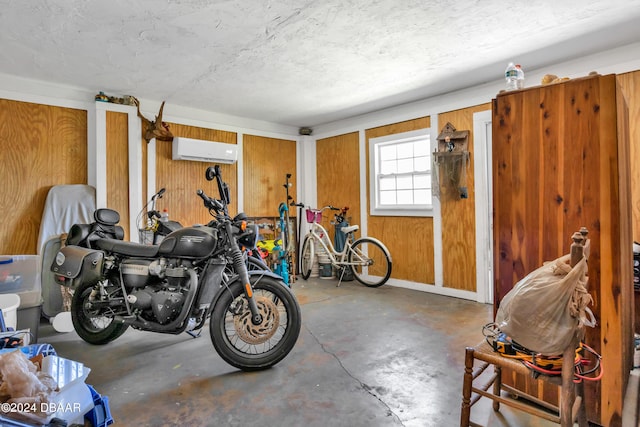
{"x": 127, "y": 248}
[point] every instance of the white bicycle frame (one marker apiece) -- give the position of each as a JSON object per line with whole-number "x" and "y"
{"x": 319, "y": 234}
{"x": 340, "y": 259}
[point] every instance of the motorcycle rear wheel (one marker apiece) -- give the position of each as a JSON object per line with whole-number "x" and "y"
{"x": 91, "y": 325}
{"x": 253, "y": 347}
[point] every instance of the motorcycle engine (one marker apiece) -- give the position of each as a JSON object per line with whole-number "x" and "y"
{"x": 158, "y": 292}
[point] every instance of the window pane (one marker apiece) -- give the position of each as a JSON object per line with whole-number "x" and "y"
{"x": 388, "y": 183}
{"x": 421, "y": 148}
{"x": 387, "y": 152}
{"x": 405, "y": 165}
{"x": 421, "y": 181}
{"x": 421, "y": 164}
{"x": 405, "y": 182}
{"x": 405, "y": 197}
{"x": 389, "y": 166}
{"x": 387, "y": 197}
{"x": 422, "y": 197}
{"x": 402, "y": 171}
{"x": 405, "y": 150}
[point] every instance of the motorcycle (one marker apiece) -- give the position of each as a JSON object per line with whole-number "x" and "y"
{"x": 175, "y": 286}
{"x": 153, "y": 230}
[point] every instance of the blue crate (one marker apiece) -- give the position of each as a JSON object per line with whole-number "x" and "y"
{"x": 100, "y": 415}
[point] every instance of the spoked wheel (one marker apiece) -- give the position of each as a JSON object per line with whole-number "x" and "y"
{"x": 370, "y": 262}
{"x": 256, "y": 264}
{"x": 93, "y": 320}
{"x": 248, "y": 346}
{"x": 306, "y": 260}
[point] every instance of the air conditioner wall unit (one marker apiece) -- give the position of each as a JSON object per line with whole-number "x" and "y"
{"x": 203, "y": 151}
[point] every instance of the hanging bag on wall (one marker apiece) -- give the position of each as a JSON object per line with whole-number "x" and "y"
{"x": 548, "y": 307}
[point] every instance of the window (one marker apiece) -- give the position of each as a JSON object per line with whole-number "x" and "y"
{"x": 401, "y": 174}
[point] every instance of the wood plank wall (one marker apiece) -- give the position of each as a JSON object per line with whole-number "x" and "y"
{"x": 338, "y": 177}
{"x": 40, "y": 146}
{"x": 118, "y": 167}
{"x": 182, "y": 178}
{"x": 409, "y": 239}
{"x": 266, "y": 163}
{"x": 458, "y": 215}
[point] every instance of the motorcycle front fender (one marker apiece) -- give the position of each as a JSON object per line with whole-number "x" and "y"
{"x": 254, "y": 277}
{"x": 74, "y": 265}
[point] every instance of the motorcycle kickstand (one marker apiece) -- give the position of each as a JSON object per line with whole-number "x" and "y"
{"x": 194, "y": 334}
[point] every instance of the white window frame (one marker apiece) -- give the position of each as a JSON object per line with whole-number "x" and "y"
{"x": 399, "y": 210}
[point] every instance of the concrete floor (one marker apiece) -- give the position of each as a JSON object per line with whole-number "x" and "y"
{"x": 365, "y": 357}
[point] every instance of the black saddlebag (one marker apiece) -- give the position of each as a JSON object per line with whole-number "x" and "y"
{"x": 74, "y": 265}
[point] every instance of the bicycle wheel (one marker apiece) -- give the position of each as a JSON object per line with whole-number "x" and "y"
{"x": 306, "y": 259}
{"x": 370, "y": 262}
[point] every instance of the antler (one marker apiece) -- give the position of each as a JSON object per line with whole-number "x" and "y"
{"x": 156, "y": 129}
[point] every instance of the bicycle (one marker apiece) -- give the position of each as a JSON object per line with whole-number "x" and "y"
{"x": 367, "y": 257}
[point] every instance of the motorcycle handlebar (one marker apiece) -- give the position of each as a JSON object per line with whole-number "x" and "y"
{"x": 210, "y": 203}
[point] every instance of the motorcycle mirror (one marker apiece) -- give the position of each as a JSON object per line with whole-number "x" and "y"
{"x": 225, "y": 196}
{"x": 159, "y": 194}
{"x": 211, "y": 173}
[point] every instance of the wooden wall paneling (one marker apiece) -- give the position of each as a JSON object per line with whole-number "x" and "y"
{"x": 118, "y": 167}
{"x": 409, "y": 239}
{"x": 40, "y": 146}
{"x": 183, "y": 178}
{"x": 338, "y": 177}
{"x": 266, "y": 163}
{"x": 581, "y": 180}
{"x": 458, "y": 215}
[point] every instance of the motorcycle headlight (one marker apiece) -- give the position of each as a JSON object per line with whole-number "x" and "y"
{"x": 249, "y": 239}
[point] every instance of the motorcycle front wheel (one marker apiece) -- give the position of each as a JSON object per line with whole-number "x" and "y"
{"x": 93, "y": 324}
{"x": 253, "y": 347}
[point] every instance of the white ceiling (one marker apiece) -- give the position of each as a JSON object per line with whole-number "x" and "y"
{"x": 298, "y": 62}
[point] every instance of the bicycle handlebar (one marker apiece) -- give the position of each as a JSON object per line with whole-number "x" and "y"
{"x": 333, "y": 208}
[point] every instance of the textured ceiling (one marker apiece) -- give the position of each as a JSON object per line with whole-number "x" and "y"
{"x": 298, "y": 62}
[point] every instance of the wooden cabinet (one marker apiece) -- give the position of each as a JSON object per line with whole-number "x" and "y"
{"x": 561, "y": 162}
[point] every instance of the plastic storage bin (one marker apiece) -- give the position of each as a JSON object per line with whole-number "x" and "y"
{"x": 9, "y": 304}
{"x": 100, "y": 415}
{"x": 21, "y": 274}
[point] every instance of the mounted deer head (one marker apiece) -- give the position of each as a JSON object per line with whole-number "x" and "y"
{"x": 156, "y": 129}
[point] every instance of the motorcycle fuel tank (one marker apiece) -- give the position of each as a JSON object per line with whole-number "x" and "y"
{"x": 190, "y": 242}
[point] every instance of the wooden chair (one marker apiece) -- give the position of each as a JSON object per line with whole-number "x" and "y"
{"x": 572, "y": 406}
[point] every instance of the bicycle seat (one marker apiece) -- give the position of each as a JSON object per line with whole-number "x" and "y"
{"x": 350, "y": 229}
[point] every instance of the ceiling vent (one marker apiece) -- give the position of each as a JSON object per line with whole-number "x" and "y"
{"x": 203, "y": 151}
